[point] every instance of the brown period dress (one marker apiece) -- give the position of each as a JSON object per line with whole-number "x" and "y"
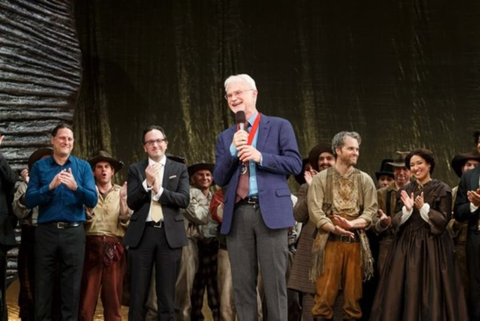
{"x": 421, "y": 280}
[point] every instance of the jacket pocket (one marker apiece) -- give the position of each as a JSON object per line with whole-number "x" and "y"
{"x": 282, "y": 192}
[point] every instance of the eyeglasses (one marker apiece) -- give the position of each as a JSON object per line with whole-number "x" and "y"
{"x": 154, "y": 141}
{"x": 235, "y": 93}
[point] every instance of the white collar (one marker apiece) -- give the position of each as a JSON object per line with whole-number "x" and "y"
{"x": 163, "y": 161}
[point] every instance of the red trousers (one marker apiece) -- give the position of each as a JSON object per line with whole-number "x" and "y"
{"x": 97, "y": 275}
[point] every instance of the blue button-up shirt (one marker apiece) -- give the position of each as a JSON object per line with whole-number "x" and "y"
{"x": 252, "y": 166}
{"x": 61, "y": 204}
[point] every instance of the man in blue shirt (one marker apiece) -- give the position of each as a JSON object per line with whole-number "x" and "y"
{"x": 60, "y": 185}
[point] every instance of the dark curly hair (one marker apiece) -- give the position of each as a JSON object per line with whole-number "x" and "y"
{"x": 424, "y": 153}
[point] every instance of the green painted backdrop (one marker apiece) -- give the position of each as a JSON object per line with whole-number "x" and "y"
{"x": 403, "y": 74}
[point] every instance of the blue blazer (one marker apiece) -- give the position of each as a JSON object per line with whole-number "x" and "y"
{"x": 280, "y": 158}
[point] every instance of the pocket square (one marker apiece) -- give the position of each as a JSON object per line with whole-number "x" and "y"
{"x": 173, "y": 176}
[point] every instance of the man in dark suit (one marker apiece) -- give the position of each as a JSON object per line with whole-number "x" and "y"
{"x": 7, "y": 223}
{"x": 157, "y": 189}
{"x": 254, "y": 163}
{"x": 467, "y": 208}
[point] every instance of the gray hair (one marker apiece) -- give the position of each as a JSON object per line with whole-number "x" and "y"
{"x": 241, "y": 77}
{"x": 339, "y": 139}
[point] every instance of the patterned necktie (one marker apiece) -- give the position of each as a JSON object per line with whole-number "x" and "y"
{"x": 156, "y": 211}
{"x": 243, "y": 180}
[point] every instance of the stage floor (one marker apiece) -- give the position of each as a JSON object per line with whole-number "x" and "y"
{"x": 12, "y": 298}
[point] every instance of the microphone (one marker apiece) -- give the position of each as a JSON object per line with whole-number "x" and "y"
{"x": 240, "y": 119}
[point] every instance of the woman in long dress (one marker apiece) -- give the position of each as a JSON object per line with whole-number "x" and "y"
{"x": 420, "y": 280}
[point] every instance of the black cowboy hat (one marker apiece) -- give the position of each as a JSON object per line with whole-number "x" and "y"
{"x": 459, "y": 160}
{"x": 178, "y": 159}
{"x": 38, "y": 154}
{"x": 385, "y": 169}
{"x": 300, "y": 178}
{"x": 103, "y": 156}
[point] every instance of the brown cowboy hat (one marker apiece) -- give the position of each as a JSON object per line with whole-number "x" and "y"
{"x": 316, "y": 151}
{"x": 400, "y": 160}
{"x": 103, "y": 156}
{"x": 385, "y": 169}
{"x": 192, "y": 169}
{"x": 459, "y": 160}
{"x": 38, "y": 154}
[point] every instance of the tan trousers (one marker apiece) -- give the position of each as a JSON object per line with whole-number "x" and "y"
{"x": 342, "y": 267}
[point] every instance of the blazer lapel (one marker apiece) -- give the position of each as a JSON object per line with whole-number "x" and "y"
{"x": 143, "y": 167}
{"x": 263, "y": 131}
{"x": 167, "y": 172}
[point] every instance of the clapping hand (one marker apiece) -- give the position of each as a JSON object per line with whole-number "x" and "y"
{"x": 385, "y": 220}
{"x": 24, "y": 175}
{"x": 474, "y": 197}
{"x": 67, "y": 178}
{"x": 308, "y": 175}
{"x": 419, "y": 201}
{"x": 408, "y": 201}
{"x": 342, "y": 226}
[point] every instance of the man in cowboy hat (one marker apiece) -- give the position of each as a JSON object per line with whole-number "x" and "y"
{"x": 105, "y": 227}
{"x": 201, "y": 178}
{"x": 61, "y": 185}
{"x": 386, "y": 205}
{"x": 385, "y": 176}
{"x": 320, "y": 158}
{"x": 7, "y": 224}
{"x": 467, "y": 209}
{"x": 196, "y": 215}
{"x": 26, "y": 254}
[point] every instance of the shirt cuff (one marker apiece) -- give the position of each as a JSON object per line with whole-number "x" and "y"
{"x": 233, "y": 150}
{"x": 424, "y": 212}
{"x": 405, "y": 215}
{"x": 473, "y": 208}
{"x": 261, "y": 159}
{"x": 144, "y": 184}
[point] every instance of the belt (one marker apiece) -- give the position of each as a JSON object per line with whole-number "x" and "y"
{"x": 343, "y": 238}
{"x": 63, "y": 225}
{"x": 249, "y": 200}
{"x": 154, "y": 224}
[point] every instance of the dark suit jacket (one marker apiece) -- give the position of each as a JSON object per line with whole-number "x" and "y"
{"x": 462, "y": 211}
{"x": 8, "y": 220}
{"x": 176, "y": 195}
{"x": 280, "y": 158}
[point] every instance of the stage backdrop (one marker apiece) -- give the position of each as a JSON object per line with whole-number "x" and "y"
{"x": 403, "y": 74}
